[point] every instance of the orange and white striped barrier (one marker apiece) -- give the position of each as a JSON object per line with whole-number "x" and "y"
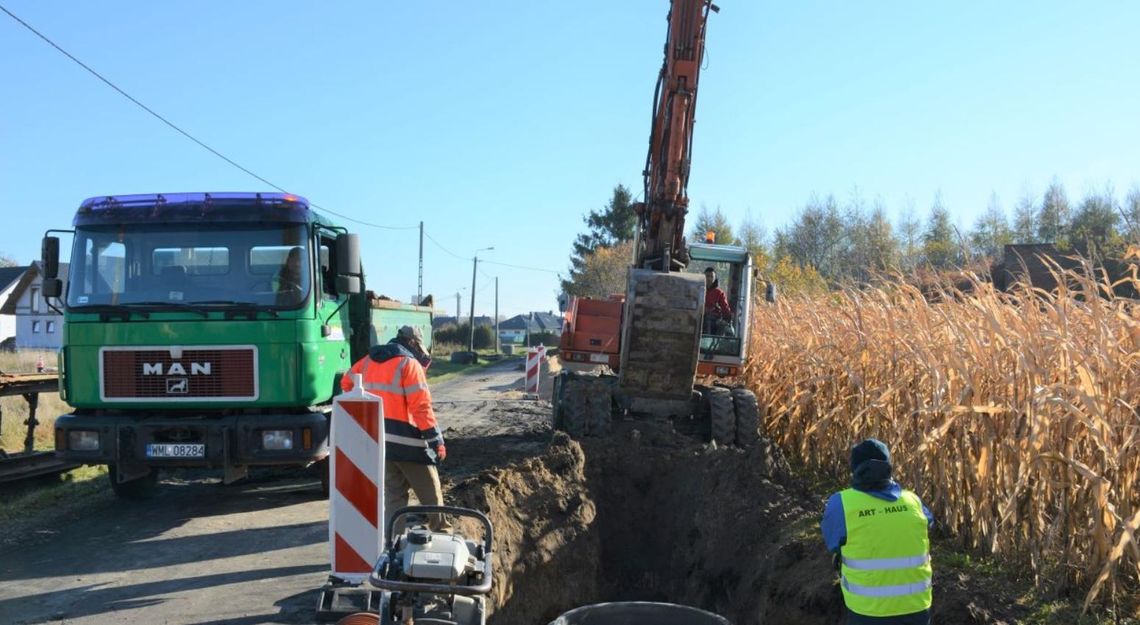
{"x": 534, "y": 358}
{"x": 356, "y": 478}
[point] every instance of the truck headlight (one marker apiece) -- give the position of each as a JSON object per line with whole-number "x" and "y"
{"x": 276, "y": 440}
{"x": 83, "y": 440}
{"x": 723, "y": 370}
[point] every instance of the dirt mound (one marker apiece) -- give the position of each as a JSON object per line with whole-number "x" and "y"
{"x": 630, "y": 518}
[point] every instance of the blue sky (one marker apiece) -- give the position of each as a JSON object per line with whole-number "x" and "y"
{"x": 502, "y": 123}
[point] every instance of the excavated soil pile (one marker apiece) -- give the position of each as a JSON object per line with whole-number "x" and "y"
{"x": 644, "y": 515}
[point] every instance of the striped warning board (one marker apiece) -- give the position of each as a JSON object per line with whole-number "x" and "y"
{"x": 534, "y": 358}
{"x": 356, "y": 501}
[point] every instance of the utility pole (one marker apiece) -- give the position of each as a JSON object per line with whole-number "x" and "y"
{"x": 471, "y": 334}
{"x": 420, "y": 290}
{"x": 474, "y": 269}
{"x": 496, "y": 314}
{"x": 457, "y": 308}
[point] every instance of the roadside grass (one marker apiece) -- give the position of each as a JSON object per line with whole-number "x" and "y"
{"x": 443, "y": 369}
{"x": 14, "y": 409}
{"x": 26, "y": 505}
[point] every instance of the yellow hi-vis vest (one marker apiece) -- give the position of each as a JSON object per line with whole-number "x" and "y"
{"x": 886, "y": 560}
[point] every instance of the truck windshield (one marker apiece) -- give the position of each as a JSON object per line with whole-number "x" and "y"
{"x": 178, "y": 265}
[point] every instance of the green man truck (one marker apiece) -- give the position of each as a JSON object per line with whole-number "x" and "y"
{"x": 207, "y": 330}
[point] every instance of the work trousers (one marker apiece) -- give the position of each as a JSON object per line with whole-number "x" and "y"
{"x": 423, "y": 481}
{"x": 918, "y": 618}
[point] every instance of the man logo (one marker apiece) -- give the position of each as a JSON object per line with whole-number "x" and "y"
{"x": 177, "y": 386}
{"x": 176, "y": 368}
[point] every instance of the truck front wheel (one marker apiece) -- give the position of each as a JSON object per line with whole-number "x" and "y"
{"x": 139, "y": 488}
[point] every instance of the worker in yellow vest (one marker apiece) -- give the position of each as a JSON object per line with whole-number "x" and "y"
{"x": 879, "y": 534}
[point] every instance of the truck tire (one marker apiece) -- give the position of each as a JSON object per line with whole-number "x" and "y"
{"x": 600, "y": 398}
{"x": 747, "y": 417}
{"x": 722, "y": 416}
{"x": 137, "y": 489}
{"x": 575, "y": 409}
{"x": 323, "y": 472}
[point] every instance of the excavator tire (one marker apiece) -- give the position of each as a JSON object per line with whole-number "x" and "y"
{"x": 722, "y": 416}
{"x": 747, "y": 417}
{"x": 600, "y": 398}
{"x": 556, "y": 402}
{"x": 575, "y": 410}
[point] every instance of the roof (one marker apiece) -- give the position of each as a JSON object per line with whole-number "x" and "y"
{"x": 8, "y": 275}
{"x": 535, "y": 322}
{"x": 26, "y": 278}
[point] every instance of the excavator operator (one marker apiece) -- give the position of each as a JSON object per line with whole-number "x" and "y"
{"x": 718, "y": 314}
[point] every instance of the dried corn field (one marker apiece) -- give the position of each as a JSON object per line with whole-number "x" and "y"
{"x": 1013, "y": 416}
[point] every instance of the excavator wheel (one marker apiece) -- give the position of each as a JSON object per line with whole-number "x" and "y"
{"x": 575, "y": 408}
{"x": 556, "y": 402}
{"x": 600, "y": 398}
{"x": 747, "y": 417}
{"x": 722, "y": 416}
{"x": 360, "y": 618}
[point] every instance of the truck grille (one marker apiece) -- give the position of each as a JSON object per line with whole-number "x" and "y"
{"x": 148, "y": 373}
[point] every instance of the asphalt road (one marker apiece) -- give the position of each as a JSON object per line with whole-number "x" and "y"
{"x": 203, "y": 553}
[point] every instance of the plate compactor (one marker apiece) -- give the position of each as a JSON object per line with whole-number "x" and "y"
{"x": 430, "y": 578}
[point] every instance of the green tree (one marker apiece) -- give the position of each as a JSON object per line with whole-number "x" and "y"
{"x": 610, "y": 226}
{"x": 1132, "y": 215}
{"x": 713, "y": 221}
{"x": 603, "y": 272}
{"x": 910, "y": 237}
{"x": 815, "y": 238}
{"x": 1093, "y": 227}
{"x": 881, "y": 247}
{"x": 1053, "y": 217}
{"x": 752, "y": 237}
{"x": 7, "y": 261}
{"x": 991, "y": 231}
{"x": 1025, "y": 220}
{"x": 938, "y": 247}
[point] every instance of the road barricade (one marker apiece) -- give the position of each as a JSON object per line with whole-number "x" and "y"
{"x": 356, "y": 483}
{"x": 534, "y": 358}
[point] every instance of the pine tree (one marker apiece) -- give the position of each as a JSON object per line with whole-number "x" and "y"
{"x": 608, "y": 227}
{"x": 1053, "y": 218}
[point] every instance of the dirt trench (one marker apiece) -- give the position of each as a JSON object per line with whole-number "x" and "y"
{"x": 644, "y": 515}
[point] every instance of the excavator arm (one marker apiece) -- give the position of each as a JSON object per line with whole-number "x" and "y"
{"x": 661, "y": 217}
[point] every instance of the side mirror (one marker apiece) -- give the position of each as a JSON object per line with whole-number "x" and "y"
{"x": 770, "y": 293}
{"x": 348, "y": 255}
{"x": 52, "y": 287}
{"x": 49, "y": 258}
{"x": 349, "y": 285}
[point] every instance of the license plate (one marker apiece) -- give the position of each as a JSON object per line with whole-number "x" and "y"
{"x": 175, "y": 450}
{"x": 599, "y": 357}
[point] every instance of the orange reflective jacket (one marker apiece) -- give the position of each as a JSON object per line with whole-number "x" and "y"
{"x": 411, "y": 433}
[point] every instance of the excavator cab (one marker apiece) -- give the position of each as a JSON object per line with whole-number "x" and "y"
{"x": 723, "y": 343}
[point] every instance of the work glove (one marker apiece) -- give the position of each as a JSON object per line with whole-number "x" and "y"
{"x": 438, "y": 449}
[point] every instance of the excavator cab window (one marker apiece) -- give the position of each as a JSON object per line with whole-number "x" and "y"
{"x": 720, "y": 334}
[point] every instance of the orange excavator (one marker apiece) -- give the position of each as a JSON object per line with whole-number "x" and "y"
{"x": 685, "y": 315}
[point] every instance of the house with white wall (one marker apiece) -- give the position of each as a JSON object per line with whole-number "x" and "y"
{"x": 37, "y": 325}
{"x": 9, "y": 278}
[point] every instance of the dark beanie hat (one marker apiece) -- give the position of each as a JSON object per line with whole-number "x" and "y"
{"x": 870, "y": 449}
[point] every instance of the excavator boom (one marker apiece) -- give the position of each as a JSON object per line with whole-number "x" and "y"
{"x": 661, "y": 218}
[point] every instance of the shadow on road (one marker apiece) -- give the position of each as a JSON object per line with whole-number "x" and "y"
{"x": 98, "y": 599}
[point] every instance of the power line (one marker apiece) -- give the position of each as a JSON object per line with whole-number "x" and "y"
{"x": 493, "y": 262}
{"x": 440, "y": 246}
{"x": 179, "y": 130}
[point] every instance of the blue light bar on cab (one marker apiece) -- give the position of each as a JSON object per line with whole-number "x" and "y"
{"x": 186, "y": 207}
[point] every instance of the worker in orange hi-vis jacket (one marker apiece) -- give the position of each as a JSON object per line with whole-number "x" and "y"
{"x": 413, "y": 442}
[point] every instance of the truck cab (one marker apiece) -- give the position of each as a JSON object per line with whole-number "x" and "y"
{"x": 204, "y": 330}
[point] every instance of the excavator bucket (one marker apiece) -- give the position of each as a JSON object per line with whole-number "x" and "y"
{"x": 661, "y": 333}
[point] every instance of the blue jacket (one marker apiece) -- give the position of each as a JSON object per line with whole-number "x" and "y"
{"x": 834, "y": 524}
